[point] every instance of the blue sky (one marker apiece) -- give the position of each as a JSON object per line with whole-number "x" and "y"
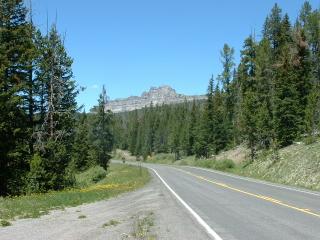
{"x": 131, "y": 45}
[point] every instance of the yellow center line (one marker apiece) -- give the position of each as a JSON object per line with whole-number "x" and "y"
{"x": 266, "y": 198}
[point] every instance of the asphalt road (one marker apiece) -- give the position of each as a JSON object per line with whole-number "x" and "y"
{"x": 240, "y": 208}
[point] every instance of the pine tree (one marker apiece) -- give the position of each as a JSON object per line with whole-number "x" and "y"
{"x": 227, "y": 60}
{"x": 31, "y": 54}
{"x": 194, "y": 115}
{"x": 102, "y": 138}
{"x": 248, "y": 85}
{"x": 287, "y": 118}
{"x": 272, "y": 30}
{"x": 210, "y": 117}
{"x": 81, "y": 145}
{"x": 286, "y": 102}
{"x": 200, "y": 147}
{"x": 304, "y": 15}
{"x": 221, "y": 121}
{"x": 308, "y": 25}
{"x": 302, "y": 68}
{"x": 149, "y": 131}
{"x": 133, "y": 127}
{"x": 236, "y": 120}
{"x": 14, "y": 40}
{"x": 313, "y": 113}
{"x": 57, "y": 110}
{"x": 265, "y": 93}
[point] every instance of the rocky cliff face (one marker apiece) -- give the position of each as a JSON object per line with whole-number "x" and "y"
{"x": 156, "y": 96}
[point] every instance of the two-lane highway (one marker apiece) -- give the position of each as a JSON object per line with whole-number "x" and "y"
{"x": 240, "y": 208}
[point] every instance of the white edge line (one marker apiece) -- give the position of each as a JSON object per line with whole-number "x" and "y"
{"x": 255, "y": 181}
{"x": 209, "y": 230}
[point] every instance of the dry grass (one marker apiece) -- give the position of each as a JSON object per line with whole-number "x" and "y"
{"x": 112, "y": 222}
{"x": 123, "y": 155}
{"x": 298, "y": 165}
{"x": 142, "y": 227}
{"x": 237, "y": 154}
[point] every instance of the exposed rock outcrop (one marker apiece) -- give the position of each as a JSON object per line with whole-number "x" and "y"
{"x": 156, "y": 96}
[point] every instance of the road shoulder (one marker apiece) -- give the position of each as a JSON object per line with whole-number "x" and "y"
{"x": 148, "y": 213}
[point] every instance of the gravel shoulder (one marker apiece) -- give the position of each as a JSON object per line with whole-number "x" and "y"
{"x": 149, "y": 213}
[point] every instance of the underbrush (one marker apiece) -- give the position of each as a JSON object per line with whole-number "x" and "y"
{"x": 90, "y": 176}
{"x": 163, "y": 158}
{"x": 208, "y": 163}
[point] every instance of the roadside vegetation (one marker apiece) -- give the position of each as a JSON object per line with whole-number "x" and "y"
{"x": 112, "y": 222}
{"x": 142, "y": 227}
{"x": 296, "y": 165}
{"x": 93, "y": 185}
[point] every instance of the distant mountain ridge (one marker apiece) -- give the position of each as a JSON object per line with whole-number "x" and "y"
{"x": 156, "y": 95}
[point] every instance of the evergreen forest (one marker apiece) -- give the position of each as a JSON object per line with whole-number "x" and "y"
{"x": 44, "y": 139}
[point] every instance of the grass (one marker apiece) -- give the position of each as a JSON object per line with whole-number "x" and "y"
{"x": 298, "y": 165}
{"x": 112, "y": 222}
{"x": 82, "y": 216}
{"x": 120, "y": 178}
{"x": 142, "y": 227}
{"x": 222, "y": 165}
{"x": 163, "y": 158}
{"x": 5, "y": 223}
{"x": 90, "y": 176}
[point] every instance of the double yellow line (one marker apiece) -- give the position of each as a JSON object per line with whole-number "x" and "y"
{"x": 268, "y": 199}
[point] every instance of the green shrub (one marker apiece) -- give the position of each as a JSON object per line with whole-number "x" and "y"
{"x": 205, "y": 163}
{"x": 214, "y": 164}
{"x": 37, "y": 175}
{"x": 90, "y": 176}
{"x": 165, "y": 158}
{"x": 309, "y": 140}
{"x": 111, "y": 223}
{"x": 4, "y": 223}
{"x": 224, "y": 164}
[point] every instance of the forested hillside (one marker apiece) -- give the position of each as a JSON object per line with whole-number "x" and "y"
{"x": 268, "y": 101}
{"x": 43, "y": 140}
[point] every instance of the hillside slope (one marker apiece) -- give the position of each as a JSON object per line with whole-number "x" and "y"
{"x": 298, "y": 165}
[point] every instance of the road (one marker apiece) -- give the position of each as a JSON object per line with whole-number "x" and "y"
{"x": 232, "y": 207}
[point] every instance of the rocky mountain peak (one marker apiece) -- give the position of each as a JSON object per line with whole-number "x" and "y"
{"x": 162, "y": 92}
{"x": 156, "y": 95}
